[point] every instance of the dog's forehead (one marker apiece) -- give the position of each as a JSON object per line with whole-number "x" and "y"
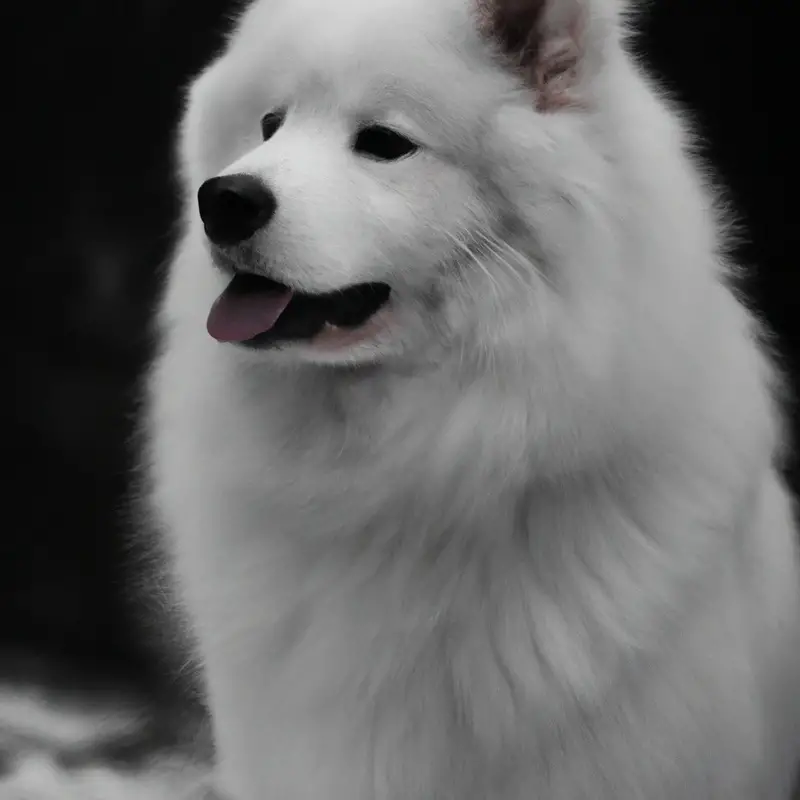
{"x": 323, "y": 25}
{"x": 349, "y": 40}
{"x": 363, "y": 53}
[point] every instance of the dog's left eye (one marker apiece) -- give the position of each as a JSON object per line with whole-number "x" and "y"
{"x": 383, "y": 144}
{"x": 270, "y": 123}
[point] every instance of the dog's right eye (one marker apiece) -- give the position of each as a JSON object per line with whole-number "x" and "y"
{"x": 383, "y": 144}
{"x": 270, "y": 123}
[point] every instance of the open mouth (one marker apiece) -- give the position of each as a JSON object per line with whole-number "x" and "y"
{"x": 260, "y": 312}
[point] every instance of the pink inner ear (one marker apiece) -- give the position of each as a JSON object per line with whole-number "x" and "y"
{"x": 543, "y": 40}
{"x": 556, "y": 75}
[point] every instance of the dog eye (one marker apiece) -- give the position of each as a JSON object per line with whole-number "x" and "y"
{"x": 383, "y": 144}
{"x": 270, "y": 123}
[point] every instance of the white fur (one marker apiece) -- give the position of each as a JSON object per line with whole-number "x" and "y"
{"x": 528, "y": 543}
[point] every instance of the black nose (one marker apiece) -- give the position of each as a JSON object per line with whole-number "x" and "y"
{"x": 234, "y": 207}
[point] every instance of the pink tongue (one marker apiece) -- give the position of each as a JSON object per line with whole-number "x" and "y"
{"x": 237, "y": 317}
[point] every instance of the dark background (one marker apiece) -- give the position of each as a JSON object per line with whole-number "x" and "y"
{"x": 95, "y": 90}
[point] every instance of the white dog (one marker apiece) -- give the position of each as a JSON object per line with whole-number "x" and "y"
{"x": 462, "y": 445}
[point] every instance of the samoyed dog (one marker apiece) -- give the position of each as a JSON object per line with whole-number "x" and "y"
{"x": 462, "y": 446}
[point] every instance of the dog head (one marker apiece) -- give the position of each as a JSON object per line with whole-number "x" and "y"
{"x": 380, "y": 179}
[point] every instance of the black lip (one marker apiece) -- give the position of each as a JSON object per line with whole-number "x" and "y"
{"x": 307, "y": 314}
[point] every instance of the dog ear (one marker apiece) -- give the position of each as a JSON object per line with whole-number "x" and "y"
{"x": 553, "y": 44}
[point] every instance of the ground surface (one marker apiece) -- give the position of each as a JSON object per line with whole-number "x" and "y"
{"x": 94, "y": 742}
